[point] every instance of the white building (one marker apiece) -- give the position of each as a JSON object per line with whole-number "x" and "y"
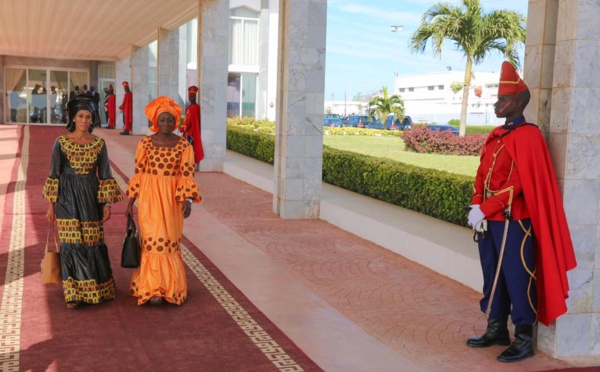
{"x": 429, "y": 97}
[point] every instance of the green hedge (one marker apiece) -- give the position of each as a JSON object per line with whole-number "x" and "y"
{"x": 435, "y": 193}
{"x": 257, "y": 145}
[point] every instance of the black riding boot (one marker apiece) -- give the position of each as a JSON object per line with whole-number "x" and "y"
{"x": 522, "y": 346}
{"x": 495, "y": 334}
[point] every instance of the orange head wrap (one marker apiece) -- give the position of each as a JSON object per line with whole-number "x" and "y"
{"x": 193, "y": 89}
{"x": 160, "y": 105}
{"x": 125, "y": 84}
{"x": 510, "y": 81}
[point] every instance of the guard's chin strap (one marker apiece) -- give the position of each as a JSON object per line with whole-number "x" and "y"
{"x": 508, "y": 103}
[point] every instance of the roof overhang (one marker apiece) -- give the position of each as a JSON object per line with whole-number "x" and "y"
{"x": 100, "y": 30}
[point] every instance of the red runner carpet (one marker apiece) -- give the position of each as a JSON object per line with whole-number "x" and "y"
{"x": 217, "y": 329}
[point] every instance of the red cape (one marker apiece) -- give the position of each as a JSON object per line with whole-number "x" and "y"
{"x": 192, "y": 128}
{"x": 111, "y": 107}
{"x": 552, "y": 240}
{"x": 127, "y": 107}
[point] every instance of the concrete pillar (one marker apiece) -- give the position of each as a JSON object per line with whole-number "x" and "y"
{"x": 300, "y": 101}
{"x": 169, "y": 71}
{"x": 213, "y": 61}
{"x": 574, "y": 141}
{"x": 3, "y": 94}
{"x": 140, "y": 88}
{"x": 123, "y": 73}
{"x": 267, "y": 77}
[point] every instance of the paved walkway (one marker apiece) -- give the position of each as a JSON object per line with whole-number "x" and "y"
{"x": 348, "y": 303}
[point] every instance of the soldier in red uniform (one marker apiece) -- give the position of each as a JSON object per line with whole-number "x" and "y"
{"x": 524, "y": 243}
{"x": 191, "y": 124}
{"x": 127, "y": 108}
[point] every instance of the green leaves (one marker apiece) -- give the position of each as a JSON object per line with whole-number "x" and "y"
{"x": 436, "y": 193}
{"x": 386, "y": 104}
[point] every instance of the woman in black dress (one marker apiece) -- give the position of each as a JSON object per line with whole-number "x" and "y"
{"x": 81, "y": 190}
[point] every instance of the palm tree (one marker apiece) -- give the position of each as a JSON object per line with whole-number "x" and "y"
{"x": 385, "y": 105}
{"x": 474, "y": 32}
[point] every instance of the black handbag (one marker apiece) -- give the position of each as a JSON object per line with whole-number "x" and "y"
{"x": 130, "y": 255}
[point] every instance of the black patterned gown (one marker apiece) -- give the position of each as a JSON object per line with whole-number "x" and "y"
{"x": 79, "y": 185}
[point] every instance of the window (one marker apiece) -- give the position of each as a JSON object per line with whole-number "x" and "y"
{"x": 431, "y": 87}
{"x": 411, "y": 89}
{"x": 39, "y": 95}
{"x": 241, "y": 95}
{"x": 402, "y": 90}
{"x": 191, "y": 32}
{"x": 244, "y": 40}
{"x": 440, "y": 87}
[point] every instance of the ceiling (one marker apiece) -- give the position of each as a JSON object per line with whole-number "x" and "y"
{"x": 102, "y": 30}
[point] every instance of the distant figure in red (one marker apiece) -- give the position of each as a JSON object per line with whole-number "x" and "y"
{"x": 127, "y": 108}
{"x": 110, "y": 106}
{"x": 191, "y": 124}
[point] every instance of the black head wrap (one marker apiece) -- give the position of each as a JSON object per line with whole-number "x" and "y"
{"x": 77, "y": 104}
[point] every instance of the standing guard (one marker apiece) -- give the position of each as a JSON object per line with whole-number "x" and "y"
{"x": 524, "y": 242}
{"x": 191, "y": 125}
{"x": 127, "y": 108}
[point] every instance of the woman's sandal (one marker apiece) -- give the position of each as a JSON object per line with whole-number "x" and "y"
{"x": 72, "y": 305}
{"x": 155, "y": 301}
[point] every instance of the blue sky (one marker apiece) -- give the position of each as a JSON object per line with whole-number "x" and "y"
{"x": 363, "y": 53}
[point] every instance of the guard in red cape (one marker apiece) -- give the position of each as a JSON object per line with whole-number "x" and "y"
{"x": 127, "y": 108}
{"x": 517, "y": 213}
{"x": 191, "y": 124}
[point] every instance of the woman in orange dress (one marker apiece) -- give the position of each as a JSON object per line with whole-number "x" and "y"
{"x": 164, "y": 186}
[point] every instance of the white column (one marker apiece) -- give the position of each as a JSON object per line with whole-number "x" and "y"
{"x": 169, "y": 72}
{"x": 123, "y": 73}
{"x": 213, "y": 61}
{"x": 574, "y": 141}
{"x": 300, "y": 100}
{"x": 139, "y": 88}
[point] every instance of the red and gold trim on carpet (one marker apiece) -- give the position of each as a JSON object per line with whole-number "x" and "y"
{"x": 251, "y": 328}
{"x": 217, "y": 329}
{"x": 13, "y": 285}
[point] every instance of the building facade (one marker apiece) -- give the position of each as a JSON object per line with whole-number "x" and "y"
{"x": 37, "y": 89}
{"x": 430, "y": 98}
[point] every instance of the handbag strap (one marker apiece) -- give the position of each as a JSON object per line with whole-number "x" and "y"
{"x": 131, "y": 224}
{"x": 51, "y": 231}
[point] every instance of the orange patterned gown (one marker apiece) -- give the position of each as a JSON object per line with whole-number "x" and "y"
{"x": 163, "y": 180}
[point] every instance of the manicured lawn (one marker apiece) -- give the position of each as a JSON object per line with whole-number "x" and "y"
{"x": 393, "y": 148}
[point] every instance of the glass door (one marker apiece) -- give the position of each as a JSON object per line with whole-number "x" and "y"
{"x": 241, "y": 95}
{"x": 248, "y": 95}
{"x": 39, "y": 96}
{"x": 16, "y": 81}
{"x": 59, "y": 90}
{"x": 234, "y": 82}
{"x": 38, "y": 108}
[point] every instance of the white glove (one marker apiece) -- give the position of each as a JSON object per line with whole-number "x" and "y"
{"x": 481, "y": 226}
{"x": 475, "y": 215}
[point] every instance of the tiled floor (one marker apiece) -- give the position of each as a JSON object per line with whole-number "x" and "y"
{"x": 348, "y": 303}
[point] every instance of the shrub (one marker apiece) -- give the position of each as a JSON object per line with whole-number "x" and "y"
{"x": 246, "y": 141}
{"x": 422, "y": 140}
{"x": 454, "y": 122}
{"x": 435, "y": 193}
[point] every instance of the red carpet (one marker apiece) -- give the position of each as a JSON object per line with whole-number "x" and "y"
{"x": 40, "y": 333}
